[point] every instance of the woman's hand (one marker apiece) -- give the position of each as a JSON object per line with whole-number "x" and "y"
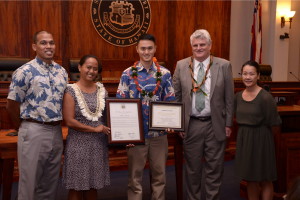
{"x": 129, "y": 145}
{"x": 169, "y": 130}
{"x": 102, "y": 129}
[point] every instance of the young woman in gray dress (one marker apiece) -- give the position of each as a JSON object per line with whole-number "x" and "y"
{"x": 256, "y": 115}
{"x": 86, "y": 167}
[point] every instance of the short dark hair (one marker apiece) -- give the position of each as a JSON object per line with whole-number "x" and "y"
{"x": 37, "y": 33}
{"x": 253, "y": 64}
{"x": 85, "y": 57}
{"x": 146, "y": 37}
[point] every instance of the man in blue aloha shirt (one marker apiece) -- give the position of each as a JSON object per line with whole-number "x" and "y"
{"x": 35, "y": 106}
{"x": 149, "y": 81}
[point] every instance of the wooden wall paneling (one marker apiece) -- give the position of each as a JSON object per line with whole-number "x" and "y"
{"x": 159, "y": 28}
{"x": 288, "y": 123}
{"x": 65, "y": 35}
{"x": 287, "y": 145}
{"x": 113, "y": 68}
{"x": 211, "y": 15}
{"x": 214, "y": 16}
{"x": 25, "y": 37}
{"x": 5, "y": 122}
{"x": 185, "y": 25}
{"x": 224, "y": 37}
{"x": 85, "y": 39}
{"x": 46, "y": 15}
{"x": 293, "y": 158}
{"x": 288, "y": 160}
{"x": 14, "y": 29}
{"x": 172, "y": 21}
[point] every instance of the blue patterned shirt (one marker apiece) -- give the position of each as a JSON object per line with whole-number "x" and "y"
{"x": 39, "y": 87}
{"x": 147, "y": 82}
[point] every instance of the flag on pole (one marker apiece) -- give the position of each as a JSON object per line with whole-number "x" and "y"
{"x": 256, "y": 32}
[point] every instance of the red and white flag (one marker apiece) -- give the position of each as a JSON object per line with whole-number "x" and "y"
{"x": 256, "y": 32}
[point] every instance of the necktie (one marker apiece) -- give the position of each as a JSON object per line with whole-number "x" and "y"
{"x": 200, "y": 97}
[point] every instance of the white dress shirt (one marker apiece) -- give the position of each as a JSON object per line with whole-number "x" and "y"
{"x": 206, "y": 110}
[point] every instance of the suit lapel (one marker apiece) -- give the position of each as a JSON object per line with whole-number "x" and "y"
{"x": 214, "y": 70}
{"x": 188, "y": 72}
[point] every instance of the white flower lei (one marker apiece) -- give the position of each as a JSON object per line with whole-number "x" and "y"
{"x": 84, "y": 107}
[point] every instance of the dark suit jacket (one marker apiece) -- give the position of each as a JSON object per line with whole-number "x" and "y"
{"x": 221, "y": 93}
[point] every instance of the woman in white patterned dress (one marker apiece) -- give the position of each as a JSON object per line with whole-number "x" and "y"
{"x": 86, "y": 167}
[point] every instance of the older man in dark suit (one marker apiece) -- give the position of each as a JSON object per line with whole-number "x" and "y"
{"x": 204, "y": 84}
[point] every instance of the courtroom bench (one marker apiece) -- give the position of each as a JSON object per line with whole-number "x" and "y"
{"x": 8, "y": 65}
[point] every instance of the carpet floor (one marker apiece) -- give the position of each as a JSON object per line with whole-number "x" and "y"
{"x": 117, "y": 190}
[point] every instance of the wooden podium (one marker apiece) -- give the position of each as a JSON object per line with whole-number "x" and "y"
{"x": 287, "y": 144}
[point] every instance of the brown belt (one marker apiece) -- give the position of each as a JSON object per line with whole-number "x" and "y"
{"x": 55, "y": 123}
{"x": 203, "y": 119}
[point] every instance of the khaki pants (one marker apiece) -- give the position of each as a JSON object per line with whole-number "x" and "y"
{"x": 200, "y": 142}
{"x": 156, "y": 151}
{"x": 39, "y": 157}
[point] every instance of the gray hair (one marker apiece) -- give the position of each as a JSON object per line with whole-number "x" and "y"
{"x": 202, "y": 34}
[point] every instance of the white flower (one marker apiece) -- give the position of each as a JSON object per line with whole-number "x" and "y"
{"x": 171, "y": 90}
{"x": 84, "y": 109}
{"x": 122, "y": 88}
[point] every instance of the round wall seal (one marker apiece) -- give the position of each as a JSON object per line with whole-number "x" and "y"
{"x": 121, "y": 22}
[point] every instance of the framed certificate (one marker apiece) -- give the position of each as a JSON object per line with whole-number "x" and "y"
{"x": 124, "y": 117}
{"x": 165, "y": 115}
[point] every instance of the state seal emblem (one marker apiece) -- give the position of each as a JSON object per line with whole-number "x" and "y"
{"x": 121, "y": 22}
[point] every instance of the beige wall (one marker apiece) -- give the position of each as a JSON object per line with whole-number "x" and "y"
{"x": 240, "y": 34}
{"x": 294, "y": 49}
{"x": 282, "y": 55}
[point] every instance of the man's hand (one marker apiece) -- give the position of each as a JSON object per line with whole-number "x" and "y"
{"x": 181, "y": 134}
{"x": 228, "y": 131}
{"x": 169, "y": 130}
{"x": 129, "y": 145}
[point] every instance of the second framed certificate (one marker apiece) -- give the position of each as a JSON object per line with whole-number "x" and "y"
{"x": 165, "y": 115}
{"x": 124, "y": 117}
